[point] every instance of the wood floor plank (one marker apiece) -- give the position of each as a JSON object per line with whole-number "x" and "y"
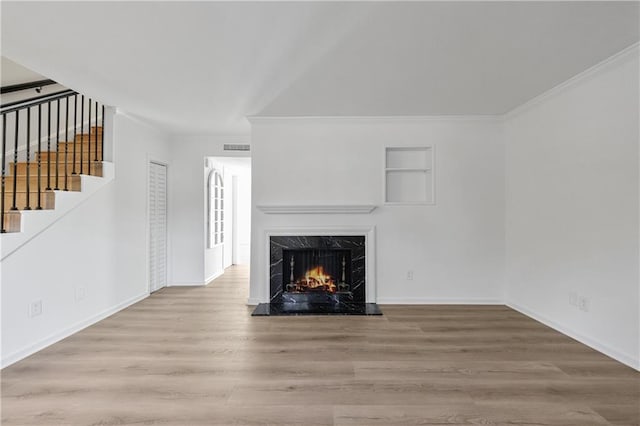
{"x": 349, "y": 392}
{"x": 467, "y": 414}
{"x": 460, "y": 370}
{"x": 195, "y": 356}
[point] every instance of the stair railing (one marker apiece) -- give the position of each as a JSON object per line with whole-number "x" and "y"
{"x": 62, "y": 114}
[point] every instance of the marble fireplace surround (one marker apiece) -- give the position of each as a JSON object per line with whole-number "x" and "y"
{"x": 369, "y": 252}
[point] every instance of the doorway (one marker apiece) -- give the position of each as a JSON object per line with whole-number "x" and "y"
{"x": 228, "y": 213}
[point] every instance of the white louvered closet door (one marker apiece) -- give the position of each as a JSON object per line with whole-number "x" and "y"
{"x": 157, "y": 226}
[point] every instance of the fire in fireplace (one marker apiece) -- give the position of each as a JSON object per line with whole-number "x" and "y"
{"x": 325, "y": 271}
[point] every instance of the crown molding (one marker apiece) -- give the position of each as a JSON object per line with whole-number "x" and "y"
{"x": 257, "y": 119}
{"x": 624, "y": 55}
{"x": 213, "y": 137}
{"x": 317, "y": 209}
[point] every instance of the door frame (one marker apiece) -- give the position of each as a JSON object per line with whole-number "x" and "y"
{"x": 234, "y": 220}
{"x": 161, "y": 162}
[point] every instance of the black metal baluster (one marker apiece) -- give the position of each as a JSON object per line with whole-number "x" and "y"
{"x": 75, "y": 131}
{"x": 89, "y": 144}
{"x": 39, "y": 207}
{"x": 96, "y": 157}
{"x": 15, "y": 164}
{"x": 49, "y": 146}
{"x": 57, "y": 144}
{"x": 66, "y": 145}
{"x": 82, "y": 135}
{"x": 28, "y": 206}
{"x": 4, "y": 151}
{"x": 102, "y": 137}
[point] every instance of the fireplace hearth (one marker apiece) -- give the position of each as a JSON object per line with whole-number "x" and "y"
{"x": 318, "y": 275}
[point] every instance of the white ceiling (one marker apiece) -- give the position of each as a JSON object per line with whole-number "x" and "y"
{"x": 202, "y": 67}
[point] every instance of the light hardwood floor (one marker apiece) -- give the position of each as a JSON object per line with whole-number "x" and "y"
{"x": 195, "y": 356}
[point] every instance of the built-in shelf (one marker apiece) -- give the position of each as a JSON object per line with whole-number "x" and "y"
{"x": 408, "y": 175}
{"x": 317, "y": 209}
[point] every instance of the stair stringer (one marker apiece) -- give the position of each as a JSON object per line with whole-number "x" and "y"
{"x": 34, "y": 222}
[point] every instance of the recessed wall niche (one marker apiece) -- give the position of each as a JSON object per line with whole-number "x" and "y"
{"x": 408, "y": 175}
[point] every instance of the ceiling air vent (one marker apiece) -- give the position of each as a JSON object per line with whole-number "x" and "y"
{"x": 236, "y": 147}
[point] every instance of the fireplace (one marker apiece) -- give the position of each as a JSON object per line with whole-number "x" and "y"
{"x": 317, "y": 274}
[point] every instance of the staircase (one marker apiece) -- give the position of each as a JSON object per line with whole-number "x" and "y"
{"x": 55, "y": 159}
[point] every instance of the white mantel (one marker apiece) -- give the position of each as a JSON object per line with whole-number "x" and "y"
{"x": 369, "y": 232}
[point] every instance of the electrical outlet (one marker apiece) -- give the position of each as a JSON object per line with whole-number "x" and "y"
{"x": 573, "y": 298}
{"x": 583, "y": 303}
{"x": 81, "y": 292}
{"x": 35, "y": 308}
{"x": 410, "y": 275}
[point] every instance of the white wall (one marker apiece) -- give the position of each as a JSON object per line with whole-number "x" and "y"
{"x": 572, "y": 208}
{"x": 99, "y": 248}
{"x": 454, "y": 248}
{"x": 191, "y": 263}
{"x": 242, "y": 218}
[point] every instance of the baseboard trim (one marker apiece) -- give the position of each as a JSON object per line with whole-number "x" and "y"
{"x": 592, "y": 343}
{"x": 197, "y": 283}
{"x": 253, "y": 301}
{"x": 187, "y": 284}
{"x": 56, "y": 337}
{"x": 437, "y": 301}
{"x": 213, "y": 277}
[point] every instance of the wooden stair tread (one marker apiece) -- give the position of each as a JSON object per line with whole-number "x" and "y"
{"x": 74, "y": 182}
{"x": 68, "y": 156}
{"x": 33, "y": 178}
{"x": 34, "y": 193}
{"x": 12, "y": 221}
{"x": 47, "y": 200}
{"x": 77, "y": 144}
{"x": 94, "y": 166}
{"x": 24, "y": 191}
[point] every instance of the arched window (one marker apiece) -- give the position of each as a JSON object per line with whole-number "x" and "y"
{"x": 216, "y": 209}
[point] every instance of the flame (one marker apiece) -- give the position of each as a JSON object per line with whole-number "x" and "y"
{"x": 317, "y": 279}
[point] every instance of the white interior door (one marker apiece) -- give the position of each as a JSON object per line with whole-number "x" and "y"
{"x": 157, "y": 226}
